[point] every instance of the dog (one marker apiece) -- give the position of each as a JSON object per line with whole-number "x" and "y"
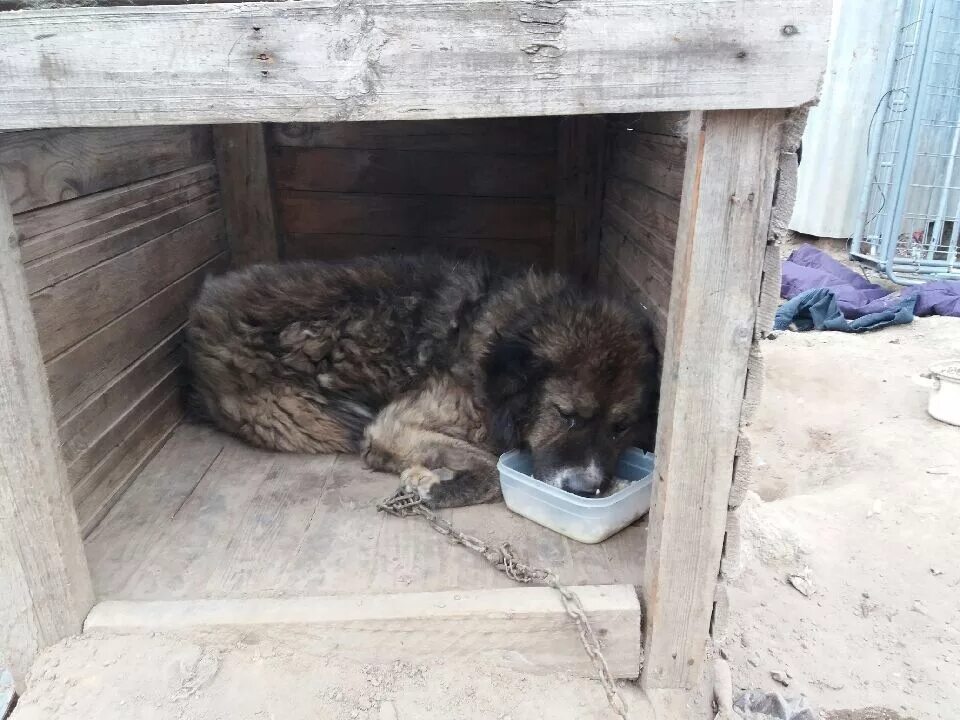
{"x": 428, "y": 367}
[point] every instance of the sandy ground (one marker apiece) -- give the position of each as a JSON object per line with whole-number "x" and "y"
{"x": 167, "y": 678}
{"x": 858, "y": 493}
{"x": 858, "y": 490}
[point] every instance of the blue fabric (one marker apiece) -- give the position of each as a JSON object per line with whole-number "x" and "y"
{"x": 817, "y": 309}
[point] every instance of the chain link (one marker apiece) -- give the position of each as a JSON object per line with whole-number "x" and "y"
{"x": 405, "y": 503}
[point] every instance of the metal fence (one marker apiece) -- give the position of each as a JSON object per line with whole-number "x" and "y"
{"x": 909, "y": 221}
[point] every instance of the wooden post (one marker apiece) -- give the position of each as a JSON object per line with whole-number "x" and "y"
{"x": 246, "y": 194}
{"x": 45, "y": 588}
{"x": 725, "y": 210}
{"x": 579, "y": 195}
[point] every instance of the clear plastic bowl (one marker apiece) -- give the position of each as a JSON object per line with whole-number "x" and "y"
{"x": 586, "y": 520}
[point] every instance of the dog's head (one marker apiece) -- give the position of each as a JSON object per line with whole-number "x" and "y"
{"x": 575, "y": 381}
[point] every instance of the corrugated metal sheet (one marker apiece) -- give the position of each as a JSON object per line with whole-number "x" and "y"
{"x": 834, "y": 160}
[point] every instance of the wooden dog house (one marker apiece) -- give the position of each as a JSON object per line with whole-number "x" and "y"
{"x": 633, "y": 143}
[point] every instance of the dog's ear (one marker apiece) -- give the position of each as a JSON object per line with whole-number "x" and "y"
{"x": 511, "y": 376}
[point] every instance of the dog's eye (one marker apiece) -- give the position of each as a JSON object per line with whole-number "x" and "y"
{"x": 569, "y": 418}
{"x": 619, "y": 429}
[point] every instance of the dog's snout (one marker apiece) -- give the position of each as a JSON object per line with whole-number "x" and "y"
{"x": 587, "y": 481}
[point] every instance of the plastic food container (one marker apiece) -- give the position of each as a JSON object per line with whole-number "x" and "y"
{"x": 586, "y": 520}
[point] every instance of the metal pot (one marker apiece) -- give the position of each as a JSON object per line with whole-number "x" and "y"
{"x": 944, "y": 383}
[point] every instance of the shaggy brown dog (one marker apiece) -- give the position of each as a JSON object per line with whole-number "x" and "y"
{"x": 429, "y": 368}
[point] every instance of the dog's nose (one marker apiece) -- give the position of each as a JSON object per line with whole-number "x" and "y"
{"x": 582, "y": 492}
{"x": 586, "y": 482}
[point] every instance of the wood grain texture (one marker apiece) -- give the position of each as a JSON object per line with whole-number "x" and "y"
{"x": 503, "y": 136}
{"x": 90, "y": 423}
{"x": 78, "y": 374}
{"x": 614, "y": 279}
{"x": 245, "y": 186}
{"x": 87, "y": 467}
{"x": 743, "y": 469}
{"x": 413, "y": 172}
{"x": 483, "y": 625}
{"x": 728, "y": 192}
{"x": 72, "y": 310}
{"x": 43, "y": 167}
{"x": 317, "y": 60}
{"x": 210, "y": 517}
{"x": 47, "y": 230}
{"x": 461, "y": 187}
{"x": 641, "y": 273}
{"x": 769, "y": 291}
{"x": 341, "y": 247}
{"x": 416, "y": 216}
{"x": 641, "y": 210}
{"x": 45, "y": 589}
{"x": 656, "y": 161}
{"x": 581, "y": 145}
{"x": 117, "y": 471}
{"x": 47, "y": 271}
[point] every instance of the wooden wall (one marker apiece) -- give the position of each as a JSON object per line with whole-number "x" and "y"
{"x": 641, "y": 207}
{"x": 118, "y": 228}
{"x": 347, "y": 189}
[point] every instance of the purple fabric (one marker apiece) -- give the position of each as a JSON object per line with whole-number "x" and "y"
{"x": 808, "y": 268}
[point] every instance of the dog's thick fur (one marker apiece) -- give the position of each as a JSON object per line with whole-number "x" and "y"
{"x": 428, "y": 367}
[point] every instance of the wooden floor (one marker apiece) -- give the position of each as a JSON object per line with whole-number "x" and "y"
{"x": 212, "y": 518}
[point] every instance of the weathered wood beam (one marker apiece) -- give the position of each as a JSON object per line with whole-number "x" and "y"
{"x": 246, "y": 193}
{"x": 724, "y": 220}
{"x": 579, "y": 195}
{"x": 481, "y": 625}
{"x": 322, "y": 60}
{"x": 45, "y": 589}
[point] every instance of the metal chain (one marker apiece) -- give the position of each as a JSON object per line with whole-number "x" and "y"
{"x": 404, "y": 503}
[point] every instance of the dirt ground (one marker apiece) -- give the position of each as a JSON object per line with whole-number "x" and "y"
{"x": 858, "y": 492}
{"x": 168, "y": 678}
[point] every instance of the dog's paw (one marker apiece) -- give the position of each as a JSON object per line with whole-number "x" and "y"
{"x": 423, "y": 480}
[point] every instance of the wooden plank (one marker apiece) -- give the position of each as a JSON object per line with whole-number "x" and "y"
{"x": 125, "y": 461}
{"x": 43, "y": 167}
{"x": 341, "y": 247}
{"x": 80, "y": 429}
{"x": 166, "y": 541}
{"x": 415, "y": 216}
{"x": 720, "y": 621}
{"x": 247, "y": 193}
{"x": 119, "y": 546}
{"x": 482, "y": 624}
{"x": 271, "y": 525}
{"x": 45, "y": 589}
{"x": 88, "y": 466}
{"x": 504, "y": 136}
{"x": 743, "y": 469}
{"x": 412, "y": 172}
{"x": 53, "y": 269}
{"x": 669, "y": 124}
{"x": 49, "y": 229}
{"x": 613, "y": 280}
{"x": 69, "y": 311}
{"x": 655, "y": 161}
{"x": 648, "y": 218}
{"x": 641, "y": 267}
{"x": 579, "y": 167}
{"x": 769, "y": 291}
{"x": 316, "y": 61}
{"x": 79, "y": 373}
{"x": 728, "y": 191}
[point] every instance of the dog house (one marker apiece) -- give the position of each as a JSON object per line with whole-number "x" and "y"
{"x": 636, "y": 144}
